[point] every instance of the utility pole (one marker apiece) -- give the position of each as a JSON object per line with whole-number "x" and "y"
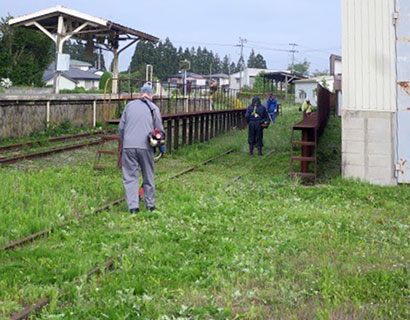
{"x": 229, "y": 71}
{"x": 293, "y": 51}
{"x": 241, "y": 44}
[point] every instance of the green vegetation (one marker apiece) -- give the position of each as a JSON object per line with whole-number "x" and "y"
{"x": 24, "y": 54}
{"x": 165, "y": 58}
{"x": 103, "y": 80}
{"x": 235, "y": 239}
{"x": 82, "y": 90}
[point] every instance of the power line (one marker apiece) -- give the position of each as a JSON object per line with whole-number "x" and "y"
{"x": 206, "y": 43}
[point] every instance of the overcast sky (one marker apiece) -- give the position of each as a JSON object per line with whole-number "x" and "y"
{"x": 315, "y": 25}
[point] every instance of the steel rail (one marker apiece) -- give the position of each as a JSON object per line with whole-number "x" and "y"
{"x": 40, "y": 304}
{"x": 45, "y": 153}
{"x": 43, "y": 233}
{"x": 31, "y": 144}
{"x": 37, "y": 306}
{"x": 201, "y": 164}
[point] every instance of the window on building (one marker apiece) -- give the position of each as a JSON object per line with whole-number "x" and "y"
{"x": 302, "y": 94}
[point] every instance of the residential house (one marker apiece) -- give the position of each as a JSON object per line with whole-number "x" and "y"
{"x": 221, "y": 79}
{"x": 80, "y": 74}
{"x": 336, "y": 72}
{"x": 193, "y": 79}
{"x": 307, "y": 88}
{"x": 248, "y": 77}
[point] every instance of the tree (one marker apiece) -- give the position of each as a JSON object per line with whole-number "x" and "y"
{"x": 225, "y": 65}
{"x": 24, "y": 54}
{"x": 301, "y": 69}
{"x": 145, "y": 53}
{"x": 240, "y": 65}
{"x": 260, "y": 62}
{"x": 319, "y": 73}
{"x": 77, "y": 51}
{"x": 104, "y": 78}
{"x": 233, "y": 67}
{"x": 251, "y": 59}
{"x": 256, "y": 61}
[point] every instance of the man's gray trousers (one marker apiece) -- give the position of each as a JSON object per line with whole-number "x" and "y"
{"x": 134, "y": 160}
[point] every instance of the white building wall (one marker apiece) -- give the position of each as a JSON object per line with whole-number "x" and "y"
{"x": 309, "y": 88}
{"x": 368, "y": 51}
{"x": 369, "y": 91}
{"x": 338, "y": 67}
{"x": 64, "y": 83}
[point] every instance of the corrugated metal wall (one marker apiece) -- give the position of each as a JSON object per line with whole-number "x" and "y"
{"x": 369, "y": 55}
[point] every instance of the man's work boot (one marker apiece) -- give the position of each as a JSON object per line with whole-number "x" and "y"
{"x": 251, "y": 150}
{"x": 260, "y": 151}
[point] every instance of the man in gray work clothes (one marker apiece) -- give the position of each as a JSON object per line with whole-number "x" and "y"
{"x": 139, "y": 119}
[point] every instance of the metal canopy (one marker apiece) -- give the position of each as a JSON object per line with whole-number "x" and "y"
{"x": 281, "y": 76}
{"x": 61, "y": 23}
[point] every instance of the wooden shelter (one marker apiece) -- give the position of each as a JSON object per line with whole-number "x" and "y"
{"x": 61, "y": 24}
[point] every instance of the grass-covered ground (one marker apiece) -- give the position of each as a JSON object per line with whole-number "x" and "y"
{"x": 235, "y": 239}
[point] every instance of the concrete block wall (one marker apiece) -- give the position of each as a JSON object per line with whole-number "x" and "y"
{"x": 368, "y": 146}
{"x": 21, "y": 116}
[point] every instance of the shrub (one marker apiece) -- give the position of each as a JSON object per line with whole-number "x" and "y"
{"x": 104, "y": 78}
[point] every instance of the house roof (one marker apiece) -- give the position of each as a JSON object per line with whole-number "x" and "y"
{"x": 189, "y": 75}
{"x": 281, "y": 76}
{"x": 219, "y": 75}
{"x": 252, "y": 72}
{"x": 314, "y": 79}
{"x": 97, "y": 26}
{"x": 73, "y": 74}
{"x": 79, "y": 63}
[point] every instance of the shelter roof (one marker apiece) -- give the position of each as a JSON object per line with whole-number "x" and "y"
{"x": 281, "y": 76}
{"x": 99, "y": 27}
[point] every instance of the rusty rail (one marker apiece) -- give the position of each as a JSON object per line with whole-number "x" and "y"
{"x": 31, "y": 144}
{"x": 43, "y": 233}
{"x": 34, "y": 236}
{"x": 202, "y": 164}
{"x": 45, "y": 153}
{"x": 37, "y": 306}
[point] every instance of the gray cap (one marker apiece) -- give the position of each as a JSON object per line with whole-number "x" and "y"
{"x": 146, "y": 88}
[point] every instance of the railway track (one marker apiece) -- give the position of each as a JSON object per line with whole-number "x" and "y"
{"x": 40, "y": 234}
{"x": 40, "y": 304}
{"x": 43, "y": 153}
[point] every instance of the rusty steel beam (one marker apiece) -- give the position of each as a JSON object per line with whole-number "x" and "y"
{"x": 190, "y": 114}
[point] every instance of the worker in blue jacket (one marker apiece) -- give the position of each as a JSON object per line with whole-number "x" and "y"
{"x": 257, "y": 118}
{"x": 272, "y": 107}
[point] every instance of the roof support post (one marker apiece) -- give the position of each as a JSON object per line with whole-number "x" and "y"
{"x": 59, "y": 49}
{"x": 115, "y": 69}
{"x": 286, "y": 88}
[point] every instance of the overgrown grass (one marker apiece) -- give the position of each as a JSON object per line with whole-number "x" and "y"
{"x": 235, "y": 239}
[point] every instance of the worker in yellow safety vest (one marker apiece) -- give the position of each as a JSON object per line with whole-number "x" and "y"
{"x": 307, "y": 108}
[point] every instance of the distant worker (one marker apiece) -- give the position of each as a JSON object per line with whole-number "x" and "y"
{"x": 257, "y": 118}
{"x": 272, "y": 107}
{"x": 140, "y": 118}
{"x": 306, "y": 108}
